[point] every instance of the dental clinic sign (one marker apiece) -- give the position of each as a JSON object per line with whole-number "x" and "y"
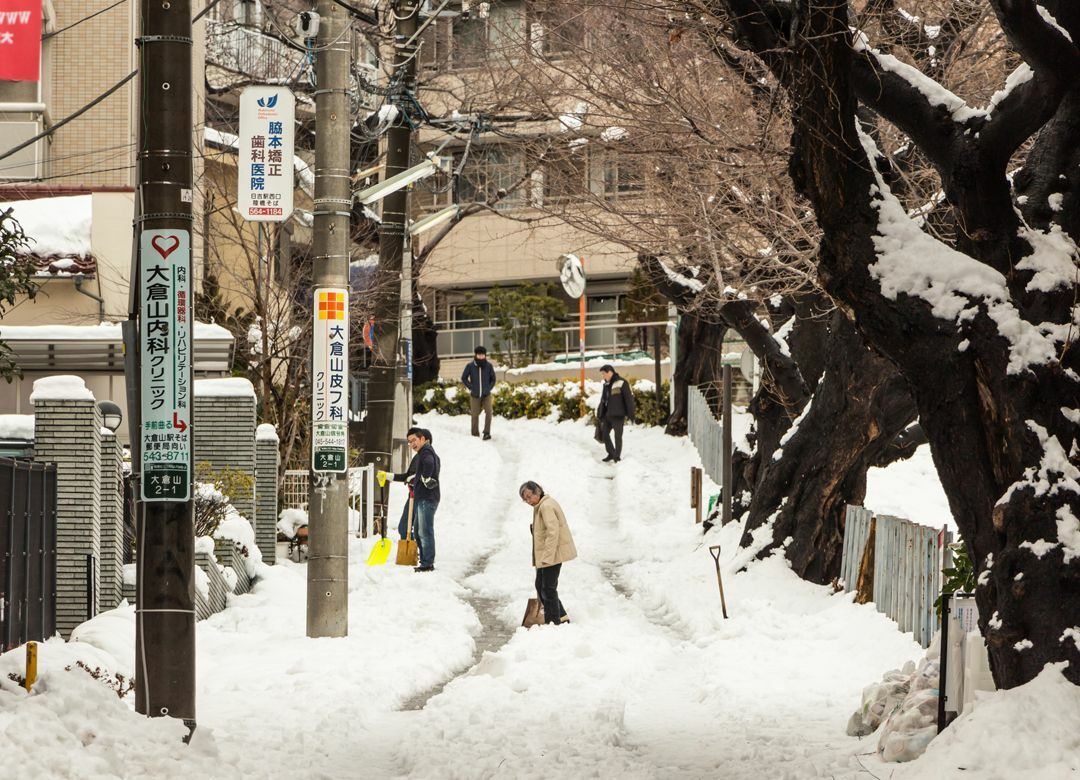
{"x": 20, "y": 40}
{"x": 266, "y": 166}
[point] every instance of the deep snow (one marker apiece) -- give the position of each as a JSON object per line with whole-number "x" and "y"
{"x": 649, "y": 680}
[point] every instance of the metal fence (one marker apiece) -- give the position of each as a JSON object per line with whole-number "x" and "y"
{"x": 295, "y": 486}
{"x": 706, "y": 433}
{"x": 27, "y": 552}
{"x": 908, "y": 559}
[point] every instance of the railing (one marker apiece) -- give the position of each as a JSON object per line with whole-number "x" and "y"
{"x": 248, "y": 51}
{"x": 27, "y": 552}
{"x": 907, "y": 564}
{"x": 599, "y": 335}
{"x": 296, "y": 485}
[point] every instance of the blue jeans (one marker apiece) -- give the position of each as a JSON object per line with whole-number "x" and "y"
{"x": 423, "y": 528}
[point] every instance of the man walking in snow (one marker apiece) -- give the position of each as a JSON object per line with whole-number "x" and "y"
{"x": 616, "y": 405}
{"x": 479, "y": 377}
{"x": 422, "y": 476}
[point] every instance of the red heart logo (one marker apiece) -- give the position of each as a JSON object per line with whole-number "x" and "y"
{"x": 164, "y": 248}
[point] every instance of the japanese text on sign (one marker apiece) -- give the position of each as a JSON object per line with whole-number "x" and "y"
{"x": 165, "y": 350}
{"x": 266, "y": 165}
{"x": 330, "y": 383}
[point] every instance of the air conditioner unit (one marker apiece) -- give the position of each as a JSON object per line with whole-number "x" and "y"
{"x": 27, "y": 162}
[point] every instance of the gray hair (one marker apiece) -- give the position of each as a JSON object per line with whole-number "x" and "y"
{"x": 532, "y": 487}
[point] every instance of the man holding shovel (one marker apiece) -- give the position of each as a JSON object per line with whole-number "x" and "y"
{"x": 422, "y": 476}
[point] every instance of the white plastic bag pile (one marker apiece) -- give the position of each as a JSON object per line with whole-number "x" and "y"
{"x": 903, "y": 708}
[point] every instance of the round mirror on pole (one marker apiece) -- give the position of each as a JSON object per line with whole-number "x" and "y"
{"x": 572, "y": 277}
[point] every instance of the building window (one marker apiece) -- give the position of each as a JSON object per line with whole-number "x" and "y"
{"x": 476, "y": 39}
{"x": 556, "y": 28}
{"x": 489, "y": 174}
{"x": 622, "y": 176}
{"x": 566, "y": 178}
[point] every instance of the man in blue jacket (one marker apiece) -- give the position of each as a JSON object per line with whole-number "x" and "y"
{"x": 479, "y": 377}
{"x": 422, "y": 476}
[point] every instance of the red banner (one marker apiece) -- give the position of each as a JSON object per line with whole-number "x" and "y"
{"x": 20, "y": 40}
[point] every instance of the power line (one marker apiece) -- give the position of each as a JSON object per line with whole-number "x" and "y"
{"x": 69, "y": 117}
{"x": 46, "y": 36}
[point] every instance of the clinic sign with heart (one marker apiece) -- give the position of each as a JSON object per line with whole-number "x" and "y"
{"x": 165, "y": 349}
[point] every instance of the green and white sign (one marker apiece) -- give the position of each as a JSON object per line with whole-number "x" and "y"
{"x": 330, "y": 380}
{"x": 165, "y": 349}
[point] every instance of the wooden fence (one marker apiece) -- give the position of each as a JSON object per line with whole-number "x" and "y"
{"x": 907, "y": 563}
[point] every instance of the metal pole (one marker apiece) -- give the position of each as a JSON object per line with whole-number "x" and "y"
{"x": 673, "y": 352}
{"x": 328, "y": 502}
{"x": 581, "y": 351}
{"x": 165, "y": 603}
{"x": 656, "y": 362}
{"x": 382, "y": 382}
{"x": 726, "y": 445}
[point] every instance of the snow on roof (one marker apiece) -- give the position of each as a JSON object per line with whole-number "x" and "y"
{"x": 110, "y": 331}
{"x": 266, "y": 432}
{"x": 232, "y": 386}
{"x": 16, "y": 426}
{"x": 55, "y": 227}
{"x": 60, "y": 388}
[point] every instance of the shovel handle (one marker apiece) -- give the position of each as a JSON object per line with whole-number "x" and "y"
{"x": 714, "y": 551}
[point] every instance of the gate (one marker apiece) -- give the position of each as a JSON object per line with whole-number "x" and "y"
{"x": 27, "y": 552}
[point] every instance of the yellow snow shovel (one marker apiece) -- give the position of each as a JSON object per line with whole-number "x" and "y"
{"x": 380, "y": 553}
{"x": 407, "y": 553}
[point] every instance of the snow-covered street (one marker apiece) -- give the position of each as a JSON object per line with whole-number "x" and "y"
{"x": 437, "y": 679}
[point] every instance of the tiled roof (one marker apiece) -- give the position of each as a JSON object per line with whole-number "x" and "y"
{"x": 58, "y": 265}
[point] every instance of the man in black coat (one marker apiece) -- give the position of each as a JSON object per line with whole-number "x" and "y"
{"x": 422, "y": 477}
{"x": 479, "y": 377}
{"x": 616, "y": 405}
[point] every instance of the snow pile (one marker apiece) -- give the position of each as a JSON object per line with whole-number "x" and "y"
{"x": 291, "y": 519}
{"x": 16, "y": 426}
{"x": 266, "y": 432}
{"x": 232, "y": 386}
{"x": 56, "y": 226}
{"x": 60, "y": 388}
{"x": 236, "y": 528}
{"x": 1027, "y": 733}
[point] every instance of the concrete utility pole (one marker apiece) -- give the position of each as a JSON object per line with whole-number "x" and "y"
{"x": 165, "y": 537}
{"x": 383, "y": 377}
{"x": 328, "y": 506}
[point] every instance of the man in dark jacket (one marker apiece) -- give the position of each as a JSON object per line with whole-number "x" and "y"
{"x": 422, "y": 476}
{"x": 616, "y": 405}
{"x": 479, "y": 377}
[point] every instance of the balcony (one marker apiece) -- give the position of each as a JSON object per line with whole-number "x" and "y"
{"x": 249, "y": 52}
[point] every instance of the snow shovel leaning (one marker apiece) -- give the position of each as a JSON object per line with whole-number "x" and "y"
{"x": 407, "y": 554}
{"x": 714, "y": 551}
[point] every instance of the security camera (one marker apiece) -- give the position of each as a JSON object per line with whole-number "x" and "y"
{"x": 307, "y": 24}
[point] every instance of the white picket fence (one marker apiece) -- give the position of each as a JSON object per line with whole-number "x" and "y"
{"x": 705, "y": 433}
{"x": 908, "y": 559}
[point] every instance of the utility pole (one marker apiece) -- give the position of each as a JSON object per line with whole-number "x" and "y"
{"x": 383, "y": 379}
{"x": 328, "y": 505}
{"x": 161, "y": 299}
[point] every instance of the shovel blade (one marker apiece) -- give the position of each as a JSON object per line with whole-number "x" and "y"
{"x": 380, "y": 552}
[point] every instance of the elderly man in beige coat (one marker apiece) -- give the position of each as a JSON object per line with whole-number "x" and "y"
{"x": 552, "y": 546}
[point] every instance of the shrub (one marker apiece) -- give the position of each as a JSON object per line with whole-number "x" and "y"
{"x": 212, "y": 492}
{"x": 537, "y": 400}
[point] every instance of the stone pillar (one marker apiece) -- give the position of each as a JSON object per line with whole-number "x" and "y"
{"x": 67, "y": 432}
{"x": 266, "y": 491}
{"x": 224, "y": 429}
{"x": 112, "y": 521}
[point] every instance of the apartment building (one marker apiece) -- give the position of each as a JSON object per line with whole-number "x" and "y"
{"x": 522, "y": 231}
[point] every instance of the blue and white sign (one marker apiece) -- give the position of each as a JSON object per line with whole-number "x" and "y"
{"x": 266, "y": 168}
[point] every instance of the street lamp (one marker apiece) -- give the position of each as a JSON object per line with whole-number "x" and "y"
{"x": 397, "y": 182}
{"x": 111, "y": 415}
{"x": 432, "y": 220}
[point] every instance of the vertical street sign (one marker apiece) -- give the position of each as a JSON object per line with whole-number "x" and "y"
{"x": 165, "y": 345}
{"x": 329, "y": 370}
{"x": 266, "y": 165}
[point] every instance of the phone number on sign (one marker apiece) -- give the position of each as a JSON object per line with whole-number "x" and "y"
{"x": 164, "y": 457}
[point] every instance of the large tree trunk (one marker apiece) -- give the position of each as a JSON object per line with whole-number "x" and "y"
{"x": 859, "y": 407}
{"x": 997, "y": 388}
